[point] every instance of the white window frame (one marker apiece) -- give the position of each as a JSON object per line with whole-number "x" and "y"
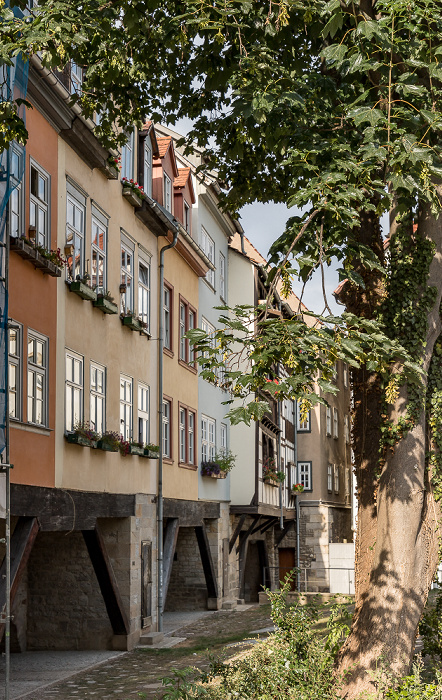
{"x": 76, "y": 72}
{"x": 167, "y": 315}
{"x": 302, "y": 426}
{"x": 167, "y": 424}
{"x": 345, "y": 374}
{"x": 73, "y": 389}
{"x": 167, "y": 192}
{"x": 127, "y": 157}
{"x": 208, "y": 246}
{"x": 99, "y": 255}
{"x": 223, "y": 438}
{"x": 34, "y": 372}
{"x": 144, "y": 293}
{"x": 336, "y": 478}
{"x": 98, "y": 398}
{"x": 347, "y": 429}
{"x": 304, "y": 476}
{"x": 328, "y": 425}
{"x": 15, "y": 360}
{"x": 330, "y": 478}
{"x": 75, "y": 236}
{"x": 208, "y": 439}
{"x": 222, "y": 276}
{"x": 143, "y": 413}
{"x": 126, "y": 406}
{"x": 127, "y": 278}
{"x": 335, "y": 423}
{"x": 42, "y": 206}
{"x": 17, "y": 200}
{"x": 186, "y": 435}
{"x": 187, "y": 216}
{"x": 147, "y": 166}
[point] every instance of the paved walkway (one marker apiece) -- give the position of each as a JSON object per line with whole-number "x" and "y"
{"x": 90, "y": 675}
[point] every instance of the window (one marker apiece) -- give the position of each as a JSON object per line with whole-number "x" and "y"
{"x": 223, "y": 436}
{"x": 167, "y": 316}
{"x": 303, "y": 425}
{"x": 76, "y": 78}
{"x": 207, "y": 439}
{"x": 187, "y": 435}
{"x": 143, "y": 414}
{"x": 336, "y": 478}
{"x": 15, "y": 372}
{"x": 75, "y": 225}
{"x": 347, "y": 429}
{"x": 345, "y": 374}
{"x": 16, "y": 200}
{"x": 222, "y": 276}
{"x": 186, "y": 217}
{"x": 74, "y": 390}
{"x": 335, "y": 371}
{"x": 305, "y": 475}
{"x": 330, "y": 478}
{"x": 208, "y": 247}
{"x": 144, "y": 292}
{"x": 328, "y": 420}
{"x": 147, "y": 167}
{"x": 167, "y": 417}
{"x": 98, "y": 251}
{"x": 39, "y": 205}
{"x": 167, "y": 185}
{"x": 335, "y": 423}
{"x": 37, "y": 379}
{"x": 186, "y": 322}
{"x": 126, "y": 405}
{"x": 127, "y": 158}
{"x": 98, "y": 398}
{"x": 127, "y": 279}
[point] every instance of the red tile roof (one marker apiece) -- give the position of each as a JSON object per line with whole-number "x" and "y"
{"x": 163, "y": 145}
{"x": 183, "y": 175}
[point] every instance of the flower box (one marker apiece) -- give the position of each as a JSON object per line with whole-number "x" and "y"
{"x": 221, "y": 475}
{"x": 83, "y": 290}
{"x": 76, "y": 439}
{"x": 136, "y": 450}
{"x": 131, "y": 322}
{"x": 106, "y": 306}
{"x": 151, "y": 454}
{"x": 28, "y": 252}
{"x": 132, "y": 197}
{"x": 271, "y": 482}
{"x": 106, "y": 446}
{"x": 110, "y": 171}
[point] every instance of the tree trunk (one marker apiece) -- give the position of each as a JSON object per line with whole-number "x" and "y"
{"x": 403, "y": 532}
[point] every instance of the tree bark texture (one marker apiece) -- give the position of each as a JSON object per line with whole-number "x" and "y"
{"x": 397, "y": 525}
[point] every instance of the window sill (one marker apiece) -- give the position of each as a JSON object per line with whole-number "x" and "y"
{"x": 184, "y": 465}
{"x": 131, "y": 197}
{"x": 184, "y": 364}
{"x": 211, "y": 287}
{"x": 167, "y": 460}
{"x": 168, "y": 352}
{"x": 30, "y": 427}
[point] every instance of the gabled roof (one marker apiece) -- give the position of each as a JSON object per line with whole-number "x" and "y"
{"x": 149, "y": 130}
{"x": 184, "y": 177}
{"x": 164, "y": 144}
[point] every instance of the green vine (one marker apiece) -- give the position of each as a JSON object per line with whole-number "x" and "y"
{"x": 434, "y": 419}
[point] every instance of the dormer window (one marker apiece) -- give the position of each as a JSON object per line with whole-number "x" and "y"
{"x": 167, "y": 191}
{"x": 127, "y": 158}
{"x": 186, "y": 217}
{"x": 147, "y": 167}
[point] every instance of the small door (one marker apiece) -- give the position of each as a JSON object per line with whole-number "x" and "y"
{"x": 287, "y": 562}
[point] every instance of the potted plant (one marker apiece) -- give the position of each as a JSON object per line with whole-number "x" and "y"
{"x": 136, "y": 448}
{"x": 111, "y": 167}
{"x": 269, "y": 473}
{"x": 82, "y": 288}
{"x": 212, "y": 469}
{"x": 106, "y": 303}
{"x": 297, "y": 488}
{"x": 123, "y": 446}
{"x": 218, "y": 468}
{"x": 133, "y": 192}
{"x": 151, "y": 451}
{"x": 82, "y": 434}
{"x": 109, "y": 441}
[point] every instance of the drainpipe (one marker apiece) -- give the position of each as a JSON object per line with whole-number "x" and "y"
{"x": 298, "y": 557}
{"x": 160, "y": 502}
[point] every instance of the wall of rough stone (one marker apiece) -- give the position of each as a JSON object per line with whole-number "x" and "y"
{"x": 187, "y": 586}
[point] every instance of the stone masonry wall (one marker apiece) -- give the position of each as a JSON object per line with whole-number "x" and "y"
{"x": 187, "y": 586}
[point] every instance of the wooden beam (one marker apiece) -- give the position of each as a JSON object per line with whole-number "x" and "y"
{"x": 170, "y": 540}
{"x": 22, "y": 541}
{"x": 270, "y": 523}
{"x": 107, "y": 581}
{"x": 245, "y": 535}
{"x": 191, "y": 513}
{"x": 237, "y": 531}
{"x": 287, "y": 527}
{"x": 207, "y": 561}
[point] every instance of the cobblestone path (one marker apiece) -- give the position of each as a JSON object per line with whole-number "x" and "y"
{"x": 138, "y": 674}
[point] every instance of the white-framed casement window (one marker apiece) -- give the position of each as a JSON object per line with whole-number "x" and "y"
{"x": 127, "y": 279}
{"x": 208, "y": 445}
{"x": 335, "y": 423}
{"x": 186, "y": 217}
{"x": 347, "y": 430}
{"x": 144, "y": 291}
{"x": 335, "y": 371}
{"x": 167, "y": 316}
{"x": 73, "y": 390}
{"x": 98, "y": 250}
{"x": 328, "y": 426}
{"x": 126, "y": 406}
{"x": 76, "y": 77}
{"x": 336, "y": 470}
{"x": 345, "y": 374}
{"x": 303, "y": 424}
{"x": 223, "y": 438}
{"x": 191, "y": 323}
{"x": 39, "y": 204}
{"x": 222, "y": 276}
{"x": 330, "y": 478}
{"x": 98, "y": 398}
{"x": 143, "y": 414}
{"x": 187, "y": 435}
{"x": 183, "y": 339}
{"x": 305, "y": 475}
{"x": 167, "y": 192}
{"x": 147, "y": 167}
{"x": 167, "y": 421}
{"x": 15, "y": 371}
{"x": 127, "y": 158}
{"x": 16, "y": 200}
{"x": 75, "y": 231}
{"x": 186, "y": 322}
{"x": 208, "y": 246}
{"x": 38, "y": 348}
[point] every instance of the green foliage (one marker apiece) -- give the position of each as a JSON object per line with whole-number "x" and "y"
{"x": 430, "y": 628}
